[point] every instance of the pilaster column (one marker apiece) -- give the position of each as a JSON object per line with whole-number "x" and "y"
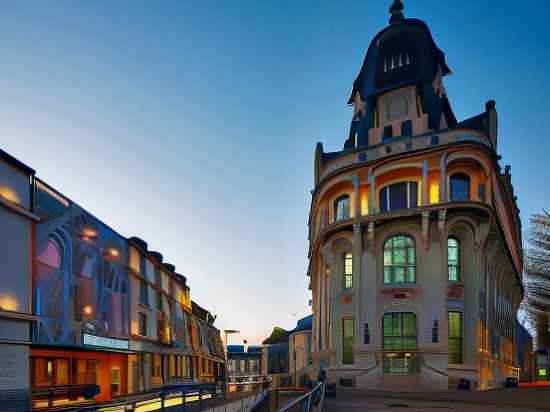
{"x": 357, "y": 310}
{"x": 372, "y": 193}
{"x": 425, "y": 188}
{"x": 443, "y": 179}
{"x": 356, "y": 199}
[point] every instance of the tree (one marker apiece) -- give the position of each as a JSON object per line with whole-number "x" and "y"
{"x": 537, "y": 278}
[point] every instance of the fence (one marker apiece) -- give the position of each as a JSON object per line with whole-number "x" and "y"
{"x": 311, "y": 401}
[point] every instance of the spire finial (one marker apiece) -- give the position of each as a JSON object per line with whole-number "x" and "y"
{"x": 396, "y": 11}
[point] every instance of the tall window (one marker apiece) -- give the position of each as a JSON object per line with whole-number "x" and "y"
{"x": 455, "y": 337}
{"x": 399, "y": 196}
{"x": 143, "y": 297}
{"x": 399, "y": 260}
{"x": 348, "y": 270}
{"x": 460, "y": 187}
{"x": 347, "y": 343}
{"x": 399, "y": 331}
{"x": 142, "y": 324}
{"x": 453, "y": 259}
{"x": 341, "y": 208}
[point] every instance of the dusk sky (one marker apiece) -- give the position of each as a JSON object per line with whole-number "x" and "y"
{"x": 193, "y": 124}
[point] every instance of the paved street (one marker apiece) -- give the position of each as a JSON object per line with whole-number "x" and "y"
{"x": 520, "y": 400}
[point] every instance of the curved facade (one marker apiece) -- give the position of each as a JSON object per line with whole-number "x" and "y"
{"x": 415, "y": 238}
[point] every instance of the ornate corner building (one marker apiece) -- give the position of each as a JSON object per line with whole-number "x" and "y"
{"x": 415, "y": 254}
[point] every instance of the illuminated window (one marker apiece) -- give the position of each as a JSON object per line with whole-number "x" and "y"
{"x": 348, "y": 271}
{"x": 434, "y": 192}
{"x": 455, "y": 337}
{"x": 134, "y": 259}
{"x": 399, "y": 260}
{"x": 341, "y": 208}
{"x": 364, "y": 203}
{"x": 453, "y": 259}
{"x": 460, "y": 187}
{"x": 347, "y": 341}
{"x": 399, "y": 339}
{"x": 399, "y": 196}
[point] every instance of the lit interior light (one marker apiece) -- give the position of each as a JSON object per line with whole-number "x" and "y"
{"x": 111, "y": 252}
{"x": 88, "y": 233}
{"x": 87, "y": 310}
{"x": 8, "y": 302}
{"x": 9, "y": 194}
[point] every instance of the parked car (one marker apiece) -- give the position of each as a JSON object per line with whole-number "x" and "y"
{"x": 511, "y": 382}
{"x": 464, "y": 383}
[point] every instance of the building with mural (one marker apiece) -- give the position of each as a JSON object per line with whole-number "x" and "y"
{"x": 415, "y": 258}
{"x": 85, "y": 311}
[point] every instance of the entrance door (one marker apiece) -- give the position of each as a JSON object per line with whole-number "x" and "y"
{"x": 115, "y": 382}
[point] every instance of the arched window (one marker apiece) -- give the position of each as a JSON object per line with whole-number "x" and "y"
{"x": 399, "y": 260}
{"x": 399, "y": 196}
{"x": 460, "y": 187}
{"x": 399, "y": 332}
{"x": 341, "y": 208}
{"x": 453, "y": 259}
{"x": 347, "y": 264}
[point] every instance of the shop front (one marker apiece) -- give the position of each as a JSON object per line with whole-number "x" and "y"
{"x": 77, "y": 370}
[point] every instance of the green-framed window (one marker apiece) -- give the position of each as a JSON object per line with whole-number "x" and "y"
{"x": 453, "y": 259}
{"x": 399, "y": 260}
{"x": 347, "y": 264}
{"x": 347, "y": 341}
{"x": 399, "y": 331}
{"x": 455, "y": 337}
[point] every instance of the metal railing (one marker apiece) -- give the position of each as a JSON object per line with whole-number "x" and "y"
{"x": 171, "y": 397}
{"x": 311, "y": 401}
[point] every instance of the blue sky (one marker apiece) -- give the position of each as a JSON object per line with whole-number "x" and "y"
{"x": 193, "y": 124}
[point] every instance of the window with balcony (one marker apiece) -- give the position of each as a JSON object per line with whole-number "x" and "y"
{"x": 460, "y": 187}
{"x": 453, "y": 259}
{"x": 455, "y": 337}
{"x": 399, "y": 260}
{"x": 399, "y": 340}
{"x": 347, "y": 341}
{"x": 399, "y": 196}
{"x": 341, "y": 208}
{"x": 347, "y": 264}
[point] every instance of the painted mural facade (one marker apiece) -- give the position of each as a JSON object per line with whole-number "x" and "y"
{"x": 93, "y": 314}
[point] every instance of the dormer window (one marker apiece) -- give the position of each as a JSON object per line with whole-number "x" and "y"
{"x": 395, "y": 60}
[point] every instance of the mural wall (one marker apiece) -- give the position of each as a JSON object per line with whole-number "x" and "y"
{"x": 81, "y": 280}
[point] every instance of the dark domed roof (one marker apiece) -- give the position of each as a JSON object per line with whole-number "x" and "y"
{"x": 410, "y": 42}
